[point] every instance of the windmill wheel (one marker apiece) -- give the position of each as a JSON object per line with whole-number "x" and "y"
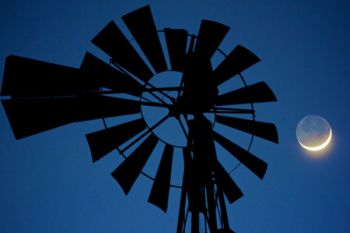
{"x": 177, "y": 92}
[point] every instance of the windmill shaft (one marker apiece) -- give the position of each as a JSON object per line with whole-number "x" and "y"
{"x": 201, "y": 194}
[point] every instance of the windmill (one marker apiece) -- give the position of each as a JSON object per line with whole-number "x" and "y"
{"x": 43, "y": 96}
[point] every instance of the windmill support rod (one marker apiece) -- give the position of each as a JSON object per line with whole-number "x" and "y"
{"x": 181, "y": 218}
{"x": 224, "y": 216}
{"x": 195, "y": 221}
{"x": 211, "y": 207}
{"x": 163, "y": 89}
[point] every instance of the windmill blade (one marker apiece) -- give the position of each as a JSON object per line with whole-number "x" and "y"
{"x": 127, "y": 173}
{"x": 107, "y": 76}
{"x": 256, "y": 93}
{"x": 104, "y": 141}
{"x": 112, "y": 41}
{"x": 209, "y": 37}
{"x": 25, "y": 77}
{"x": 31, "y": 116}
{"x": 254, "y": 164}
{"x": 176, "y": 40}
{"x": 141, "y": 25}
{"x": 159, "y": 195}
{"x": 236, "y": 62}
{"x": 226, "y": 183}
{"x": 264, "y": 130}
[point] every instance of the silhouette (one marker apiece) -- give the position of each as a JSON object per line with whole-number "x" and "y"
{"x": 45, "y": 96}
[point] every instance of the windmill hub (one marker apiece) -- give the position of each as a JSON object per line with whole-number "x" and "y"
{"x": 177, "y": 112}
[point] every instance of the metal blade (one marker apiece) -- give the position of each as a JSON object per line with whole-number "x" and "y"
{"x": 141, "y": 25}
{"x": 226, "y": 183}
{"x": 112, "y": 41}
{"x": 104, "y": 141}
{"x": 209, "y": 37}
{"x": 176, "y": 40}
{"x": 106, "y": 76}
{"x": 264, "y": 130}
{"x": 254, "y": 164}
{"x": 32, "y": 116}
{"x": 236, "y": 62}
{"x": 24, "y": 77}
{"x": 159, "y": 195}
{"x": 256, "y": 93}
{"x": 127, "y": 173}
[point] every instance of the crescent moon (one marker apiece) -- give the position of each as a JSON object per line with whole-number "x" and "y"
{"x": 319, "y": 147}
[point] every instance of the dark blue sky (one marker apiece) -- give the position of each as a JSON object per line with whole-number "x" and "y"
{"x": 49, "y": 184}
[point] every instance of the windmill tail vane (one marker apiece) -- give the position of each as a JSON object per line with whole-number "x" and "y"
{"x": 40, "y": 96}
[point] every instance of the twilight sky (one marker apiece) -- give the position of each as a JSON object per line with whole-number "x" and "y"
{"x": 49, "y": 184}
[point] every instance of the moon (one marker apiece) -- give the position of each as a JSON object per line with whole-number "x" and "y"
{"x": 314, "y": 133}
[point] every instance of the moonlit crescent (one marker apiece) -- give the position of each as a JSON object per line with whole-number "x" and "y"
{"x": 320, "y": 147}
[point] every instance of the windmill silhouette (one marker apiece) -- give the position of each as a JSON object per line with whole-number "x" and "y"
{"x": 44, "y": 96}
